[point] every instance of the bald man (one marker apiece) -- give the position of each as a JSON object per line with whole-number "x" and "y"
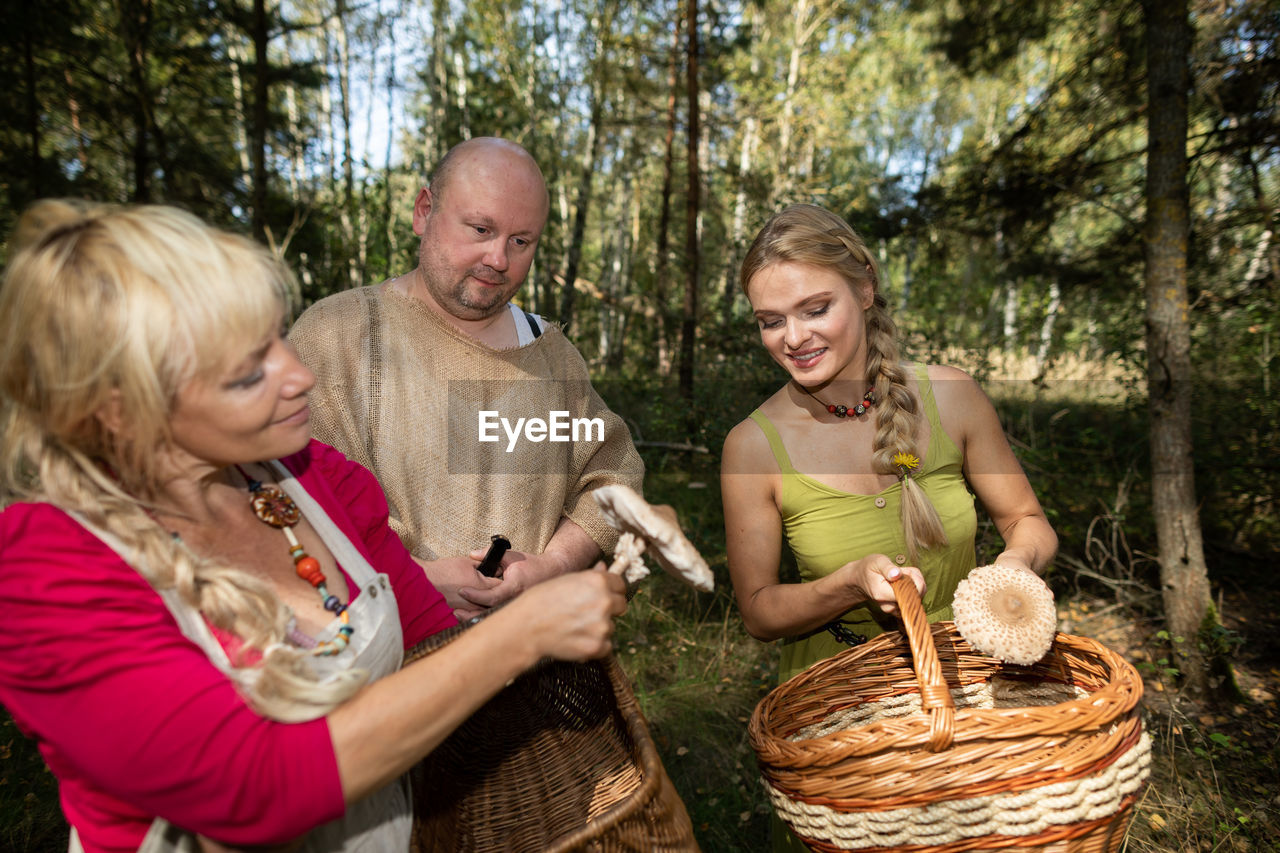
{"x": 477, "y": 418}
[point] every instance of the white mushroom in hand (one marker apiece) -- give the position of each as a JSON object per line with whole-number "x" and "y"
{"x": 645, "y": 529}
{"x": 1007, "y": 613}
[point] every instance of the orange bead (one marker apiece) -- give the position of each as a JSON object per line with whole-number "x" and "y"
{"x": 306, "y": 567}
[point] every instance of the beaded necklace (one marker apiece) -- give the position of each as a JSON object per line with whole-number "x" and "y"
{"x": 840, "y": 411}
{"x": 273, "y": 507}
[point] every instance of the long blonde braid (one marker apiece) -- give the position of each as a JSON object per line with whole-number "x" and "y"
{"x": 103, "y": 305}
{"x": 808, "y": 234}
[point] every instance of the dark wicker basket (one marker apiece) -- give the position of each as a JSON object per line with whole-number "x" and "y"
{"x": 917, "y": 742}
{"x": 560, "y": 760}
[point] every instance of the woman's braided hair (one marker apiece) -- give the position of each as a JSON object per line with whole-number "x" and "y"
{"x": 122, "y": 306}
{"x": 808, "y": 234}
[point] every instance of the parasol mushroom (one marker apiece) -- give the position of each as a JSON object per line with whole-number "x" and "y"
{"x": 644, "y": 528}
{"x": 1007, "y": 613}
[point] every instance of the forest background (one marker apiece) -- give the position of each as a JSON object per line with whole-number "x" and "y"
{"x": 994, "y": 155}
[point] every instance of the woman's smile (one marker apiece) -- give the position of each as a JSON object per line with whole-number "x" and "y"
{"x": 807, "y": 358}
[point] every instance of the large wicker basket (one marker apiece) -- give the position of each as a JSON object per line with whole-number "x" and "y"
{"x": 916, "y": 742}
{"x": 561, "y": 760}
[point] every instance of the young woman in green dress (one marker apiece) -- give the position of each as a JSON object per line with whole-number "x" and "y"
{"x": 867, "y": 467}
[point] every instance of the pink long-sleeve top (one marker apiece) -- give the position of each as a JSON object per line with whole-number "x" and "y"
{"x": 133, "y": 718}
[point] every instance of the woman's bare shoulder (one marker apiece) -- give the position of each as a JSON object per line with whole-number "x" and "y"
{"x": 951, "y": 384}
{"x": 746, "y": 447}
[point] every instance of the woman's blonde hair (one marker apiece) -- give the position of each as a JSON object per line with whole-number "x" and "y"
{"x": 115, "y": 309}
{"x": 808, "y": 234}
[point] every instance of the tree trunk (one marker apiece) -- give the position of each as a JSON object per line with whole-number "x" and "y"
{"x": 1046, "y": 328}
{"x": 135, "y": 24}
{"x": 235, "y": 52}
{"x": 348, "y": 203}
{"x": 785, "y": 163}
{"x": 439, "y": 93}
{"x": 388, "y": 216}
{"x": 745, "y": 160}
{"x": 33, "y": 100}
{"x": 689, "y": 322}
{"x": 660, "y": 283}
{"x": 297, "y": 168}
{"x": 574, "y": 257}
{"x": 73, "y": 110}
{"x": 258, "y": 130}
{"x": 1010, "y": 328}
{"x": 1183, "y": 575}
{"x": 739, "y": 223}
{"x": 599, "y": 64}
{"x": 460, "y": 94}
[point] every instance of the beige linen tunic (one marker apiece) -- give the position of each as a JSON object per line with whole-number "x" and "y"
{"x": 404, "y": 393}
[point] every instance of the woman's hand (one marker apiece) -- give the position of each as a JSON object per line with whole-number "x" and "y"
{"x": 571, "y": 617}
{"x": 1013, "y": 561}
{"x": 869, "y": 579}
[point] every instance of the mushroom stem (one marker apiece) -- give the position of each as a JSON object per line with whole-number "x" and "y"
{"x": 627, "y": 558}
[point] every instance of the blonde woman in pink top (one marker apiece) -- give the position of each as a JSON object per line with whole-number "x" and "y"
{"x": 206, "y": 612}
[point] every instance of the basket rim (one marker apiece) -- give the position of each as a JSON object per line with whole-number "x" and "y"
{"x": 630, "y": 718}
{"x": 1100, "y": 708}
{"x": 643, "y": 748}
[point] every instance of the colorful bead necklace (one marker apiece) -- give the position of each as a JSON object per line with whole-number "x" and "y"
{"x": 868, "y": 400}
{"x": 272, "y": 506}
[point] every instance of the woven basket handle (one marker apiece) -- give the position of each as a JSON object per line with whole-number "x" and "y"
{"x": 935, "y": 697}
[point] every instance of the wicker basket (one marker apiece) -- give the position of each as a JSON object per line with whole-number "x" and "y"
{"x": 560, "y": 760}
{"x": 917, "y": 742}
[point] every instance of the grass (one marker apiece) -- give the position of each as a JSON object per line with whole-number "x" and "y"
{"x": 1215, "y": 779}
{"x": 30, "y": 818}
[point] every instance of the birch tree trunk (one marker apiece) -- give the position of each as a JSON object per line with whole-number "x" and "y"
{"x": 436, "y": 145}
{"x": 1183, "y": 574}
{"x": 296, "y": 167}
{"x": 783, "y": 187}
{"x": 1010, "y": 329}
{"x": 460, "y": 94}
{"x": 739, "y": 222}
{"x": 347, "y": 202}
{"x": 388, "y": 217}
{"x": 1046, "y": 328}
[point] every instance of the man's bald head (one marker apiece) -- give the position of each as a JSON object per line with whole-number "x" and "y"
{"x": 487, "y": 153}
{"x": 480, "y": 221}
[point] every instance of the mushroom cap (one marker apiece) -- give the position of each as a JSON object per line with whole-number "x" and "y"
{"x": 1006, "y": 613}
{"x": 627, "y": 512}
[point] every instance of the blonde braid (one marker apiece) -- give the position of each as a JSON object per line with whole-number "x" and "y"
{"x": 898, "y": 419}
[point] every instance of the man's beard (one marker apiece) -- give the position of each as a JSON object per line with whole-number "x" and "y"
{"x": 456, "y": 298}
{"x": 462, "y": 293}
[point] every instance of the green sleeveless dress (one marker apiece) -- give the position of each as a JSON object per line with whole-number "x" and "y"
{"x": 826, "y": 528}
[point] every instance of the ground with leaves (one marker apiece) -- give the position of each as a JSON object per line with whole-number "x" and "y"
{"x": 1215, "y": 782}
